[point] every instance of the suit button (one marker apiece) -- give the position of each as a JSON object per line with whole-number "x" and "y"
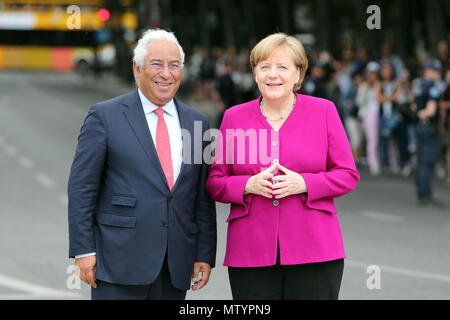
{"x": 275, "y": 161}
{"x": 276, "y": 203}
{"x": 275, "y": 143}
{"x": 170, "y": 198}
{"x": 165, "y": 224}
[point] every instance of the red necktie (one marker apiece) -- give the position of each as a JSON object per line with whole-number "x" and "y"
{"x": 163, "y": 147}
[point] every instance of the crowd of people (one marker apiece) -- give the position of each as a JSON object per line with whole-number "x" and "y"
{"x": 378, "y": 98}
{"x": 224, "y": 75}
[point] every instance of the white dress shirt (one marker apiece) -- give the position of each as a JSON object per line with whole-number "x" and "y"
{"x": 175, "y": 137}
{"x": 173, "y": 125}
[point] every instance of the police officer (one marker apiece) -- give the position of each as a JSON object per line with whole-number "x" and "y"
{"x": 315, "y": 84}
{"x": 426, "y": 94}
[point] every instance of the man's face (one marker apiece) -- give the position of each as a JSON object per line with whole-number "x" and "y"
{"x": 317, "y": 72}
{"x": 431, "y": 74}
{"x": 160, "y": 75}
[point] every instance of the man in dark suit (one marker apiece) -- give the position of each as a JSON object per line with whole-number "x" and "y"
{"x": 141, "y": 225}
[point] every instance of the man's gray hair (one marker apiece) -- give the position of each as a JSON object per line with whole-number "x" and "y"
{"x": 140, "y": 51}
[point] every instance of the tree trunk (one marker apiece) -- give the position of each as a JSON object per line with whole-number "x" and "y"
{"x": 323, "y": 26}
{"x": 204, "y": 28}
{"x": 435, "y": 23}
{"x": 285, "y": 14}
{"x": 249, "y": 7}
{"x": 155, "y": 19}
{"x": 406, "y": 50}
{"x": 227, "y": 8}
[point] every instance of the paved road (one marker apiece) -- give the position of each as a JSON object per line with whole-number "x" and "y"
{"x": 40, "y": 117}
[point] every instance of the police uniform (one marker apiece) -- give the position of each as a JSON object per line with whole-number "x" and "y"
{"x": 446, "y": 97}
{"x": 427, "y": 137}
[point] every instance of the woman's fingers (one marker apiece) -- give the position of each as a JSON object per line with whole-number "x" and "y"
{"x": 281, "y": 168}
{"x": 270, "y": 170}
{"x": 282, "y": 195}
{"x": 279, "y": 186}
{"x": 267, "y": 193}
{"x": 266, "y": 183}
{"x": 280, "y": 178}
{"x": 266, "y": 176}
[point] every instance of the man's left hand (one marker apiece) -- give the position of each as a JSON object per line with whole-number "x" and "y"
{"x": 205, "y": 269}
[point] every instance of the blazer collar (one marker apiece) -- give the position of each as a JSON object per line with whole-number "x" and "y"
{"x": 138, "y": 123}
{"x": 149, "y": 106}
{"x": 133, "y": 100}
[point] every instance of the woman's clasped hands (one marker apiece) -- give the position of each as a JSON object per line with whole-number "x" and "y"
{"x": 280, "y": 186}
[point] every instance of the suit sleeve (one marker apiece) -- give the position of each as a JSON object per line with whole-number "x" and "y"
{"x": 84, "y": 182}
{"x": 340, "y": 176}
{"x": 205, "y": 214}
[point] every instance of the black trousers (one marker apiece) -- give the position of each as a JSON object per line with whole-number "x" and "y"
{"x": 311, "y": 281}
{"x": 160, "y": 289}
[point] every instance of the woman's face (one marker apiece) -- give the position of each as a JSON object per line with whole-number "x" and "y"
{"x": 277, "y": 75}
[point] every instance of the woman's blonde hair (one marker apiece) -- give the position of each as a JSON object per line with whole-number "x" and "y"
{"x": 266, "y": 46}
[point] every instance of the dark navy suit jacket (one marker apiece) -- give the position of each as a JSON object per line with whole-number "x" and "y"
{"x": 120, "y": 205}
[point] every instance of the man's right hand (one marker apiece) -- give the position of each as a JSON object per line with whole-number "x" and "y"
{"x": 85, "y": 269}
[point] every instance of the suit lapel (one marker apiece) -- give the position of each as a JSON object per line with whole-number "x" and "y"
{"x": 138, "y": 123}
{"x": 186, "y": 125}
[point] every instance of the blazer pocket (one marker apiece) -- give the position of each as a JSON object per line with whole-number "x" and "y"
{"x": 238, "y": 210}
{"x": 325, "y": 205}
{"x": 116, "y": 221}
{"x": 124, "y": 201}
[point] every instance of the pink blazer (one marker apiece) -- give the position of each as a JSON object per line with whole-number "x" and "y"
{"x": 312, "y": 142}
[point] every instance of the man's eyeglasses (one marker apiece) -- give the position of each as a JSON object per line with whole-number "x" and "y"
{"x": 156, "y": 66}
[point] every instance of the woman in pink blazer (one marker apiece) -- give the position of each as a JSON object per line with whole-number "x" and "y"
{"x": 280, "y": 161}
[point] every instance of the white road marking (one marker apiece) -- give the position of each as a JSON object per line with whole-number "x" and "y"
{"x": 27, "y": 296}
{"x": 402, "y": 271}
{"x": 32, "y": 289}
{"x": 44, "y": 180}
{"x": 25, "y": 162}
{"x": 10, "y": 150}
{"x": 381, "y": 216}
